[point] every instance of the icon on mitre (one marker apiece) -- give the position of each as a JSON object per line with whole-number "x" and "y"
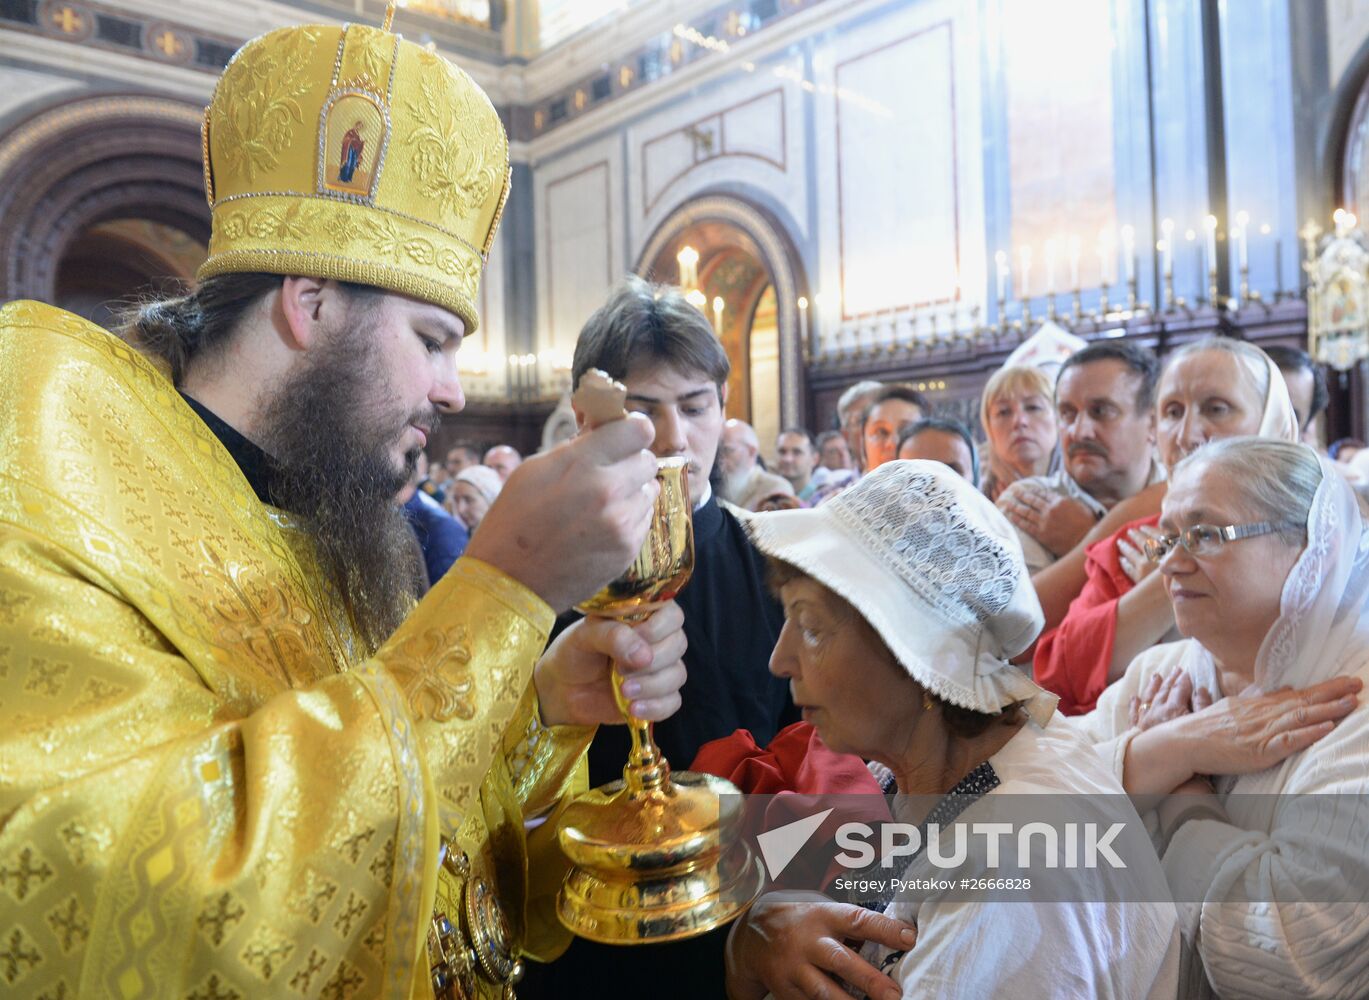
{"x": 354, "y": 137}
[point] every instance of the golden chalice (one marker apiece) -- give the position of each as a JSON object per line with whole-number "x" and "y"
{"x": 656, "y": 856}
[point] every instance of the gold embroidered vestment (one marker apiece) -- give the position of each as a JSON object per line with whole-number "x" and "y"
{"x": 204, "y": 791}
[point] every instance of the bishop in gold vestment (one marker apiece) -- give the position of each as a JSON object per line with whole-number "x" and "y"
{"x": 203, "y": 793}
{"x": 206, "y": 789}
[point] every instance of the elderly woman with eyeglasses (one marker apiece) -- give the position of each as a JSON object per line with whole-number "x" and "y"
{"x": 904, "y": 598}
{"x": 1255, "y": 719}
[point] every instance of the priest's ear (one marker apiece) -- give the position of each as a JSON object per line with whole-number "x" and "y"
{"x": 305, "y": 308}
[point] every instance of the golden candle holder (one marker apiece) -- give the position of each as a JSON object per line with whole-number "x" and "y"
{"x": 656, "y": 857}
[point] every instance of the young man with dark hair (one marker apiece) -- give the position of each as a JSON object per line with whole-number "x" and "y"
{"x": 796, "y": 457}
{"x": 665, "y": 352}
{"x": 675, "y": 370}
{"x": 233, "y": 747}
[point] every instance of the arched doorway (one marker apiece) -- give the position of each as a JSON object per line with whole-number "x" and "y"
{"x": 747, "y": 266}
{"x": 101, "y": 199}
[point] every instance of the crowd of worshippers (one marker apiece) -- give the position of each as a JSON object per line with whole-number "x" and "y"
{"x": 1154, "y": 509}
{"x": 1140, "y": 586}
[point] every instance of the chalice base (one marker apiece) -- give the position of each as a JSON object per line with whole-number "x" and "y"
{"x": 660, "y": 864}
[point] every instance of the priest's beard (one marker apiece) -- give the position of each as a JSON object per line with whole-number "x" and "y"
{"x": 330, "y": 430}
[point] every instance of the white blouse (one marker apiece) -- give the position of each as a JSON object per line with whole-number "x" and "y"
{"x": 1299, "y": 830}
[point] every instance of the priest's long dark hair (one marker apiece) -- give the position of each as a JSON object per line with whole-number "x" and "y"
{"x": 180, "y": 328}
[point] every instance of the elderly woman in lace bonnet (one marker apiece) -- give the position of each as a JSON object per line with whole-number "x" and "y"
{"x": 1255, "y": 718}
{"x": 904, "y": 598}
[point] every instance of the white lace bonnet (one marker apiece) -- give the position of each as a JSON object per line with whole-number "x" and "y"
{"x": 934, "y": 568}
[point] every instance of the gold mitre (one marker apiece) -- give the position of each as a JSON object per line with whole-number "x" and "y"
{"x": 349, "y": 153}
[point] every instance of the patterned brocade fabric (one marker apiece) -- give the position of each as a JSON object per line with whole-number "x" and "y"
{"x": 204, "y": 791}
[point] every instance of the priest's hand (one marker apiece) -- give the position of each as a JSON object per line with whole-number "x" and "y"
{"x": 802, "y": 947}
{"x": 569, "y": 521}
{"x": 574, "y": 676}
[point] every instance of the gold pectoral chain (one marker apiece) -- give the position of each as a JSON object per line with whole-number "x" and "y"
{"x": 478, "y": 943}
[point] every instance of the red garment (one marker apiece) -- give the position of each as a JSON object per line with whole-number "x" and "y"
{"x": 1072, "y": 659}
{"x": 795, "y": 761}
{"x": 793, "y": 778}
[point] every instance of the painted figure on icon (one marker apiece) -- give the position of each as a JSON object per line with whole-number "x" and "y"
{"x": 352, "y": 147}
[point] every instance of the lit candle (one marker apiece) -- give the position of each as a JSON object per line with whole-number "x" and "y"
{"x": 1075, "y": 247}
{"x": 1162, "y": 248}
{"x": 1001, "y": 259}
{"x": 1025, "y": 256}
{"x": 803, "y": 320}
{"x": 688, "y": 259}
{"x": 1129, "y": 252}
{"x": 1210, "y": 226}
{"x": 1050, "y": 266}
{"x": 1107, "y": 256}
{"x": 1167, "y": 256}
{"x": 718, "y": 315}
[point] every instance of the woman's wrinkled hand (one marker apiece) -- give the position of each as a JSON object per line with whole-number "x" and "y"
{"x": 1165, "y": 697}
{"x": 1254, "y": 730}
{"x": 1240, "y": 734}
{"x": 799, "y": 945}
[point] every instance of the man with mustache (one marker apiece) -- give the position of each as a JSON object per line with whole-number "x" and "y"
{"x": 675, "y": 370}
{"x": 1103, "y": 397}
{"x": 237, "y": 758}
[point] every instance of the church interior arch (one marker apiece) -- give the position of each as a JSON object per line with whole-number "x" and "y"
{"x": 748, "y": 282}
{"x": 102, "y": 199}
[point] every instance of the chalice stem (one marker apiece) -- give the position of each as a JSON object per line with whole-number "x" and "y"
{"x": 646, "y": 769}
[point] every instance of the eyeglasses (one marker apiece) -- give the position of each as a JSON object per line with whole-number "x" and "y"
{"x": 1206, "y": 539}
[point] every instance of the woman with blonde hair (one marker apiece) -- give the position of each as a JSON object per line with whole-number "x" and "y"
{"x": 1017, "y": 411}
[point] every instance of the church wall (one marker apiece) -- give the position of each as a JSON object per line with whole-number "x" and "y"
{"x": 904, "y": 144}
{"x": 579, "y": 243}
{"x": 24, "y": 91}
{"x": 895, "y": 145}
{"x": 1347, "y": 24}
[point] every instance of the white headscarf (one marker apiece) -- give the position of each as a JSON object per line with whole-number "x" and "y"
{"x": 934, "y": 568}
{"x": 483, "y": 479}
{"x": 1322, "y": 619}
{"x": 1279, "y": 420}
{"x": 1323, "y": 624}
